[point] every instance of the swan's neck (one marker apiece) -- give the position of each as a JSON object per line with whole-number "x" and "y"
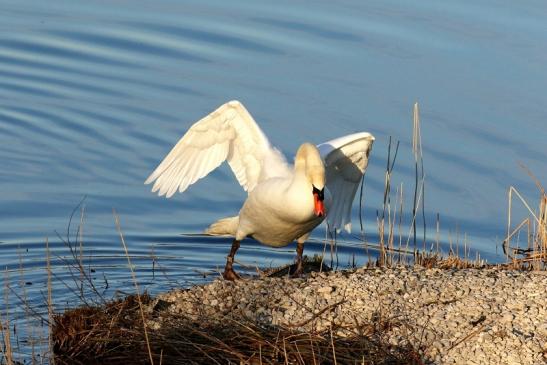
{"x": 308, "y": 165}
{"x": 299, "y": 168}
{"x": 300, "y": 177}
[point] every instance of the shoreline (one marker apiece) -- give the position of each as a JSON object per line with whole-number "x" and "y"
{"x": 440, "y": 316}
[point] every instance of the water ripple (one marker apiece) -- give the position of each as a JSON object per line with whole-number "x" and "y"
{"x": 27, "y": 123}
{"x": 69, "y": 124}
{"x": 103, "y": 76}
{"x": 311, "y": 29}
{"x": 62, "y": 87}
{"x": 209, "y": 37}
{"x": 136, "y": 46}
{"x": 28, "y": 88}
{"x": 39, "y": 46}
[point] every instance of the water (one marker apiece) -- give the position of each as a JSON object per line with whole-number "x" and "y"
{"x": 93, "y": 95}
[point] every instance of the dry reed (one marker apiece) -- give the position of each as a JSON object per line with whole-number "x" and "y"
{"x": 7, "y": 351}
{"x": 534, "y": 255}
{"x": 111, "y": 334}
{"x": 122, "y": 239}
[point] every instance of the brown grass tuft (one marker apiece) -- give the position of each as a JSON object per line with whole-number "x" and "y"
{"x": 534, "y": 254}
{"x": 113, "y": 335}
{"x": 435, "y": 260}
{"x": 94, "y": 334}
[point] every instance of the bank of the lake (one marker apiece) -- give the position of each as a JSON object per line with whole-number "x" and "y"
{"x": 441, "y": 316}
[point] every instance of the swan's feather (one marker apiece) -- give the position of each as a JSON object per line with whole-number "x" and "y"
{"x": 346, "y": 159}
{"x": 227, "y": 134}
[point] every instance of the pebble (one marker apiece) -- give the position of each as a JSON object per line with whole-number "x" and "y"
{"x": 325, "y": 289}
{"x": 466, "y": 316}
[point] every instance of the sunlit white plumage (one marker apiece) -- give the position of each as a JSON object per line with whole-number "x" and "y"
{"x": 227, "y": 134}
{"x": 284, "y": 203}
{"x": 346, "y": 159}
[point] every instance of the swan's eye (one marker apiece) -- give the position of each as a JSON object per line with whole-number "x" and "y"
{"x": 320, "y": 193}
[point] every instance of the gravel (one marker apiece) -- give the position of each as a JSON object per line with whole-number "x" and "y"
{"x": 453, "y": 316}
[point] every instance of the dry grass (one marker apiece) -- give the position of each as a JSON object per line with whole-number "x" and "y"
{"x": 534, "y": 254}
{"x": 390, "y": 222}
{"x": 435, "y": 260}
{"x": 6, "y": 350}
{"x": 113, "y": 334}
{"x": 88, "y": 334}
{"x": 390, "y": 225}
{"x": 122, "y": 239}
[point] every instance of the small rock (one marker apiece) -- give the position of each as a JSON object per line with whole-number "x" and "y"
{"x": 325, "y": 289}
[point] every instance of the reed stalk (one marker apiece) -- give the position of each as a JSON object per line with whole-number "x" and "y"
{"x": 7, "y": 351}
{"x": 535, "y": 254}
{"x": 49, "y": 300}
{"x": 118, "y": 227}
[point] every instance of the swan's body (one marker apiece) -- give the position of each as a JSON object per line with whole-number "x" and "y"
{"x": 284, "y": 203}
{"x": 277, "y": 211}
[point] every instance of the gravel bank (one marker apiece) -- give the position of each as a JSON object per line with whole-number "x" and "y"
{"x": 464, "y": 316}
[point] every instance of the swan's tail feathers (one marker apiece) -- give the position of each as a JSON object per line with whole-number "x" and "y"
{"x": 224, "y": 227}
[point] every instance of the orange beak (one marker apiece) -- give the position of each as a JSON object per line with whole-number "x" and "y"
{"x": 319, "y": 208}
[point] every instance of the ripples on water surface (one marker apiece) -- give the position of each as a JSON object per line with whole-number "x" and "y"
{"x": 94, "y": 94}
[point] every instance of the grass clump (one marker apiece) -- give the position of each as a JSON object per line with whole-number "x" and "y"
{"x": 532, "y": 254}
{"x": 95, "y": 334}
{"x": 113, "y": 334}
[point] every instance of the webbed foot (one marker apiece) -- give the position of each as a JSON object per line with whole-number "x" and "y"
{"x": 230, "y": 274}
{"x": 298, "y": 272}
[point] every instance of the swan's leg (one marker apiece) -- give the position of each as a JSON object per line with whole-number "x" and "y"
{"x": 299, "y": 252}
{"x": 229, "y": 273}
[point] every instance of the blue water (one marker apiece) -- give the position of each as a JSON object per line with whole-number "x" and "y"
{"x": 94, "y": 94}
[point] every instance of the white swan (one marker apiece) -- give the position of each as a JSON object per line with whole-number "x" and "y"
{"x": 283, "y": 204}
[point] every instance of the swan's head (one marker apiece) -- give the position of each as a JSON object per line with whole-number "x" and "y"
{"x": 309, "y": 160}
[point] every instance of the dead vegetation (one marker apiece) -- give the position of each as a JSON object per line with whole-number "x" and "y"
{"x": 394, "y": 241}
{"x": 112, "y": 334}
{"x": 532, "y": 254}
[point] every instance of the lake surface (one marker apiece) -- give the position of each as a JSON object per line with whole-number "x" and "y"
{"x": 94, "y": 94}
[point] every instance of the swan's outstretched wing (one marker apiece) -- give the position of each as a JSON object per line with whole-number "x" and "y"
{"x": 227, "y": 134}
{"x": 346, "y": 159}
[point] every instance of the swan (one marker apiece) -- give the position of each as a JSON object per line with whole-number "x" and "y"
{"x": 284, "y": 203}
